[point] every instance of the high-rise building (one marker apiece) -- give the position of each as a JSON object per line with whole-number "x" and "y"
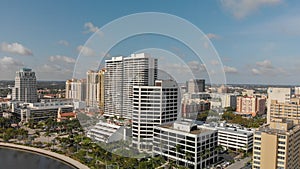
{"x": 76, "y": 89}
{"x": 186, "y": 143}
{"x": 152, "y": 106}
{"x": 95, "y": 88}
{"x": 195, "y": 85}
{"x": 25, "y": 86}
{"x": 122, "y": 73}
{"x": 250, "y": 105}
{"x": 277, "y": 145}
{"x": 282, "y": 95}
{"x": 289, "y": 110}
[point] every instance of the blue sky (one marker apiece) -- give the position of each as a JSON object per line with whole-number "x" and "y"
{"x": 257, "y": 40}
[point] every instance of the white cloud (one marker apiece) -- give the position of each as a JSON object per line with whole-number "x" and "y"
{"x": 255, "y": 71}
{"x": 49, "y": 68}
{"x": 15, "y": 48}
{"x": 63, "y": 42}
{"x": 183, "y": 71}
{"x": 59, "y": 58}
{"x": 91, "y": 28}
{"x": 8, "y": 67}
{"x": 212, "y": 36}
{"x": 229, "y": 69}
{"x": 265, "y": 64}
{"x": 242, "y": 8}
{"x": 86, "y": 51}
{"x": 9, "y": 62}
{"x": 266, "y": 68}
{"x": 54, "y": 72}
{"x": 196, "y": 66}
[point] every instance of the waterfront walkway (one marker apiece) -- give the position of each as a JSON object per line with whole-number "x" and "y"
{"x": 65, "y": 159}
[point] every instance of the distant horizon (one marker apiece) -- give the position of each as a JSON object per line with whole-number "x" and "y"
{"x": 291, "y": 85}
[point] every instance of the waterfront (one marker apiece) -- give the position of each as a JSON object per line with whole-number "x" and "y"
{"x": 14, "y": 156}
{"x": 13, "y": 159}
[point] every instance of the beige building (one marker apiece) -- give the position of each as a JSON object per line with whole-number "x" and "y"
{"x": 222, "y": 89}
{"x": 76, "y": 89}
{"x": 276, "y": 145}
{"x": 248, "y": 92}
{"x": 282, "y": 95}
{"x": 289, "y": 110}
{"x": 95, "y": 89}
{"x": 250, "y": 105}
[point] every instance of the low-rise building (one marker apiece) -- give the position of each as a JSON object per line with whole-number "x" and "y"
{"x": 185, "y": 143}
{"x": 107, "y": 132}
{"x": 42, "y": 110}
{"x": 233, "y": 136}
{"x": 65, "y": 116}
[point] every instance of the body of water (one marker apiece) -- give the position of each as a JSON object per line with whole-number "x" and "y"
{"x": 18, "y": 159}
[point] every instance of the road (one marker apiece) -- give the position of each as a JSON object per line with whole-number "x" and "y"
{"x": 239, "y": 164}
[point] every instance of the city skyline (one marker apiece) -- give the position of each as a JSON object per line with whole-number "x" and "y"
{"x": 256, "y": 40}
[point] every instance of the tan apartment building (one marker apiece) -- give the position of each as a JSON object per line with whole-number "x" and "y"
{"x": 289, "y": 110}
{"x": 95, "y": 89}
{"x": 76, "y": 89}
{"x": 250, "y": 105}
{"x": 276, "y": 145}
{"x": 282, "y": 95}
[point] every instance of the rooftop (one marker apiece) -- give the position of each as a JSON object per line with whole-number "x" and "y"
{"x": 185, "y": 126}
{"x": 25, "y": 70}
{"x": 230, "y": 128}
{"x": 279, "y": 127}
{"x": 68, "y": 114}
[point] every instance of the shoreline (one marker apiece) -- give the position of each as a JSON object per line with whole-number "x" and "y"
{"x": 67, "y": 160}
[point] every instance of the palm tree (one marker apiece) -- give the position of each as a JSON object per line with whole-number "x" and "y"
{"x": 218, "y": 148}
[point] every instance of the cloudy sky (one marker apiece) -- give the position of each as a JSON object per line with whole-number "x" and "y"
{"x": 257, "y": 40}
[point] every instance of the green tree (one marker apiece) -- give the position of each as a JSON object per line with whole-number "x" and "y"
{"x": 202, "y": 116}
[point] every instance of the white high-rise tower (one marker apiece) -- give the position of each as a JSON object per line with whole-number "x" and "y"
{"x": 25, "y": 86}
{"x": 152, "y": 106}
{"x": 122, "y": 73}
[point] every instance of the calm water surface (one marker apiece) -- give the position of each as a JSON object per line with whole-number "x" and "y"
{"x": 17, "y": 159}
